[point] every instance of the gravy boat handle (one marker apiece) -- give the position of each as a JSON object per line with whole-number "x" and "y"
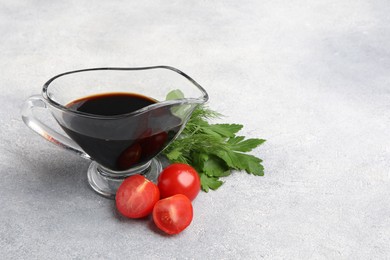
{"x": 45, "y": 131}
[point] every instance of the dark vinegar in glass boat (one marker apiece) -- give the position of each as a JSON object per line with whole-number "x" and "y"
{"x": 113, "y": 138}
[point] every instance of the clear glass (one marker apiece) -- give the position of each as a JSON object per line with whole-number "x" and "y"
{"x": 118, "y": 145}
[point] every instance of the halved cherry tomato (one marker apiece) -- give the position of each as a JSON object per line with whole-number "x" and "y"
{"x": 173, "y": 214}
{"x": 136, "y": 197}
{"x": 179, "y": 178}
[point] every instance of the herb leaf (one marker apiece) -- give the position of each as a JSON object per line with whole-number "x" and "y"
{"x": 216, "y": 167}
{"x": 213, "y": 150}
{"x": 175, "y": 94}
{"x": 239, "y": 144}
{"x": 208, "y": 182}
{"x": 225, "y": 130}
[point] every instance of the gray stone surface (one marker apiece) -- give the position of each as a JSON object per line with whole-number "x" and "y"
{"x": 311, "y": 77}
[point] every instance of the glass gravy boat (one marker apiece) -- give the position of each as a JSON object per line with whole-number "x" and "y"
{"x": 85, "y": 104}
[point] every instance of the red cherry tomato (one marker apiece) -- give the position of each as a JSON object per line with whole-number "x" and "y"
{"x": 173, "y": 214}
{"x": 136, "y": 197}
{"x": 129, "y": 157}
{"x": 153, "y": 144}
{"x": 179, "y": 178}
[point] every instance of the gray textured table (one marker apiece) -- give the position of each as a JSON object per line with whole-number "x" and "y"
{"x": 311, "y": 77}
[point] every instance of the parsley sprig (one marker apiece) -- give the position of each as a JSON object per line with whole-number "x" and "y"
{"x": 214, "y": 150}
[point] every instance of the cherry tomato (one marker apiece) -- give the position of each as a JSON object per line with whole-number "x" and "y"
{"x": 173, "y": 214}
{"x": 129, "y": 157}
{"x": 136, "y": 197}
{"x": 153, "y": 144}
{"x": 179, "y": 178}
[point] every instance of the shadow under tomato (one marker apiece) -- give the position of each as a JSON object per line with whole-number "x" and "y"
{"x": 122, "y": 218}
{"x": 148, "y": 221}
{"x": 156, "y": 230}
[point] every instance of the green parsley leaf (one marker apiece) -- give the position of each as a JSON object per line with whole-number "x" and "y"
{"x": 175, "y": 94}
{"x": 208, "y": 182}
{"x": 214, "y": 150}
{"x": 239, "y": 144}
{"x": 225, "y": 130}
{"x": 216, "y": 167}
